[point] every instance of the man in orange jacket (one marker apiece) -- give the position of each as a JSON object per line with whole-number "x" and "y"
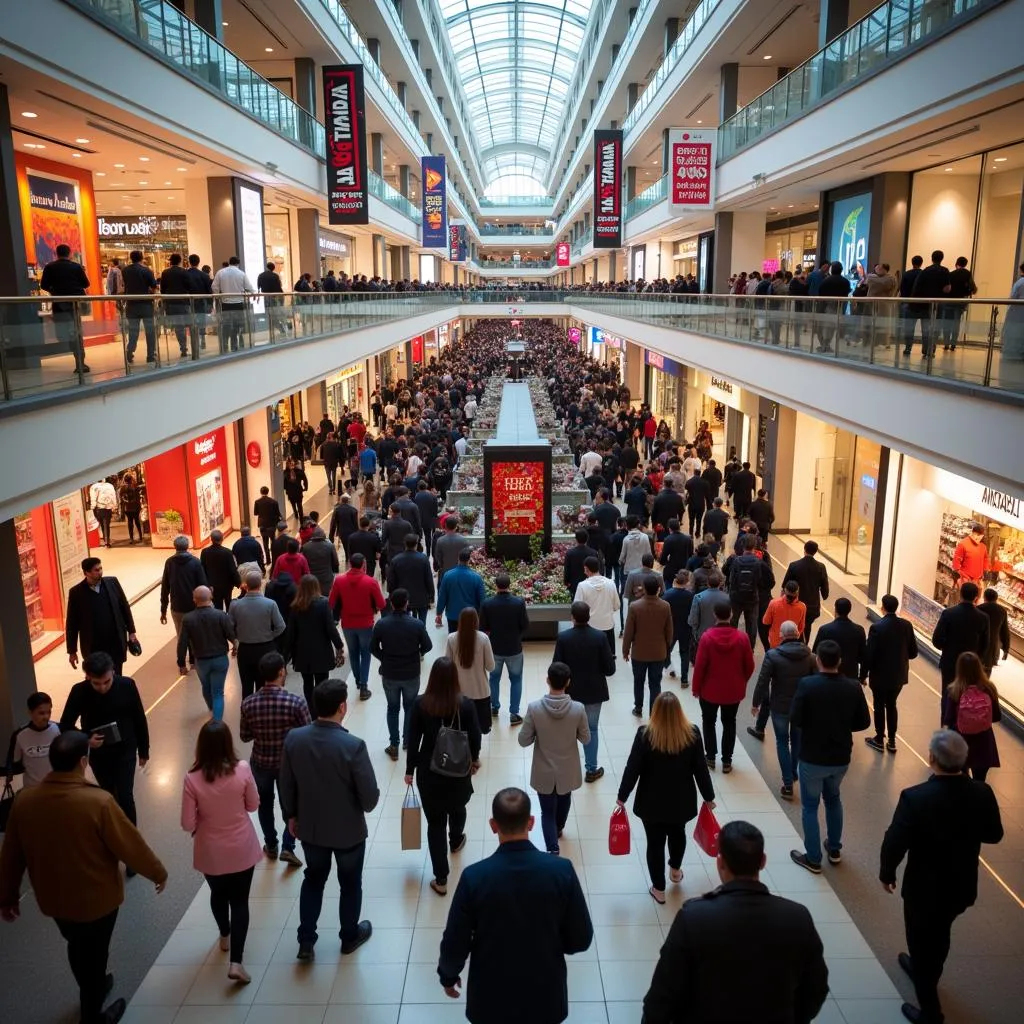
{"x": 970, "y": 560}
{"x": 787, "y": 608}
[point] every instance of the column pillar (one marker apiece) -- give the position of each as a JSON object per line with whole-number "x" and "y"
{"x": 373, "y": 45}
{"x": 13, "y": 259}
{"x": 611, "y": 265}
{"x": 739, "y": 245}
{"x": 890, "y": 207}
{"x": 629, "y": 183}
{"x": 17, "y": 673}
{"x": 404, "y": 253}
{"x": 396, "y": 263}
{"x": 834, "y": 20}
{"x": 377, "y": 153}
{"x": 307, "y": 224}
{"x": 671, "y": 33}
{"x": 379, "y": 252}
{"x": 197, "y": 218}
{"x": 632, "y": 95}
{"x": 403, "y": 92}
{"x": 305, "y": 94}
{"x": 665, "y": 152}
{"x": 221, "y": 206}
{"x": 209, "y": 16}
{"x": 404, "y": 179}
{"x": 728, "y": 91}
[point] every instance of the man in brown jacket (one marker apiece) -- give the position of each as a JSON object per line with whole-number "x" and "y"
{"x": 648, "y": 637}
{"x": 72, "y": 837}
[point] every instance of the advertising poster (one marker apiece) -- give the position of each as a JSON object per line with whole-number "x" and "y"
{"x": 849, "y": 223}
{"x": 434, "y": 202}
{"x": 55, "y": 217}
{"x": 348, "y": 195}
{"x": 607, "y": 189}
{"x": 574, "y": 335}
{"x": 562, "y": 254}
{"x": 251, "y": 248}
{"x": 692, "y": 154}
{"x": 457, "y": 242}
{"x": 71, "y": 538}
{"x": 417, "y": 348}
{"x": 209, "y": 503}
{"x": 206, "y": 459}
{"x": 517, "y": 498}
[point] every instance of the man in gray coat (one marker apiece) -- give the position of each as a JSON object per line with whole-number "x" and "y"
{"x": 447, "y": 547}
{"x": 327, "y": 788}
{"x": 553, "y": 726}
{"x": 322, "y": 557}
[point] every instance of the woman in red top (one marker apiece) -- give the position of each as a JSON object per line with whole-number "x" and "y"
{"x": 649, "y": 431}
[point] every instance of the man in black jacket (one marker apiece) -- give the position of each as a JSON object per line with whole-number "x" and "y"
{"x": 696, "y": 502}
{"x": 712, "y": 477}
{"x": 716, "y": 520}
{"x": 784, "y": 974}
{"x": 248, "y": 549}
{"x": 503, "y": 618}
{"x": 891, "y": 647}
{"x": 399, "y": 642}
{"x": 939, "y": 826}
{"x": 486, "y": 920}
{"x": 910, "y": 312}
{"x": 268, "y": 514}
{"x": 344, "y": 521}
{"x": 410, "y": 571}
{"x": 742, "y": 484}
{"x": 99, "y": 617}
{"x": 849, "y": 635}
{"x": 591, "y": 664}
{"x": 676, "y": 551}
{"x": 365, "y": 542}
{"x": 394, "y": 530}
{"x": 812, "y": 579}
{"x": 426, "y": 504}
{"x": 572, "y": 568}
{"x": 409, "y": 510}
{"x": 332, "y": 452}
{"x": 998, "y": 629}
{"x": 174, "y": 283}
{"x": 221, "y": 571}
{"x": 749, "y": 578}
{"x": 667, "y": 505}
{"x": 932, "y": 283}
{"x": 63, "y": 276}
{"x": 762, "y": 514}
{"x": 139, "y": 281}
{"x": 183, "y": 572}
{"x": 959, "y": 629}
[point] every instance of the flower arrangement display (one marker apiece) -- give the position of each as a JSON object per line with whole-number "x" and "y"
{"x": 539, "y": 582}
{"x": 572, "y": 516}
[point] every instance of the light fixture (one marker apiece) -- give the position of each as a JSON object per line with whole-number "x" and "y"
{"x": 1000, "y": 160}
{"x": 948, "y": 169}
{"x": 700, "y": 122}
{"x": 82, "y": 142}
{"x": 28, "y": 113}
{"x": 144, "y": 159}
{"x": 143, "y": 182}
{"x": 268, "y": 49}
{"x": 181, "y": 169}
{"x": 790, "y": 207}
{"x": 119, "y": 165}
{"x": 767, "y": 56}
{"x": 168, "y": 182}
{"x": 100, "y": 174}
{"x": 224, "y": 24}
{"x": 76, "y": 156}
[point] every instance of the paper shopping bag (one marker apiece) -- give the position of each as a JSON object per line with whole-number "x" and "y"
{"x": 618, "y": 833}
{"x": 705, "y": 835}
{"x": 411, "y": 820}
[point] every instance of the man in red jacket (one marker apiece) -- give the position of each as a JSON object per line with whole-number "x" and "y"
{"x": 725, "y": 661}
{"x": 355, "y": 599}
{"x": 970, "y": 560}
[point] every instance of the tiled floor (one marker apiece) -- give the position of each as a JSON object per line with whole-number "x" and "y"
{"x": 393, "y": 977}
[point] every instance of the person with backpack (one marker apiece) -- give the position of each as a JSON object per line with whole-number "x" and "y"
{"x": 972, "y": 706}
{"x": 749, "y": 577}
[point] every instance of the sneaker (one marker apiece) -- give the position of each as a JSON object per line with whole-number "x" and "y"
{"x": 441, "y": 888}
{"x": 365, "y": 694}
{"x": 364, "y": 931}
{"x": 306, "y": 951}
{"x": 891, "y": 746}
{"x": 711, "y": 763}
{"x": 515, "y": 719}
{"x": 236, "y": 972}
{"x": 638, "y": 713}
{"x": 392, "y": 751}
{"x": 786, "y": 792}
{"x": 685, "y": 684}
{"x": 751, "y": 731}
{"x": 270, "y": 849}
{"x": 802, "y": 860}
{"x": 597, "y": 773}
{"x": 290, "y": 857}
{"x": 458, "y": 844}
{"x": 726, "y": 767}
{"x": 494, "y": 712}
{"x": 658, "y": 895}
{"x": 835, "y": 857}
{"x": 875, "y": 743}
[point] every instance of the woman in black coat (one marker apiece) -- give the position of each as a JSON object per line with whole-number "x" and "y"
{"x": 295, "y": 486}
{"x": 667, "y": 766}
{"x": 444, "y": 799}
{"x": 312, "y": 642}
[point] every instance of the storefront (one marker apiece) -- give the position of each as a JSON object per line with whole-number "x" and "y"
{"x": 346, "y": 390}
{"x": 684, "y": 257}
{"x": 277, "y": 243}
{"x": 156, "y": 237}
{"x": 430, "y": 350}
{"x": 729, "y": 411}
{"x": 791, "y": 243}
{"x": 335, "y": 253}
{"x": 662, "y": 385}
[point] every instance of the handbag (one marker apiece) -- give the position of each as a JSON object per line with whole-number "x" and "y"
{"x": 618, "y": 833}
{"x": 705, "y": 835}
{"x": 451, "y": 756}
{"x": 411, "y": 820}
{"x": 6, "y": 803}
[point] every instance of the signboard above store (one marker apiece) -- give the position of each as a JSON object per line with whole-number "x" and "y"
{"x": 139, "y": 227}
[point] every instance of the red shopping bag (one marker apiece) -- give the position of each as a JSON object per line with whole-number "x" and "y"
{"x": 705, "y": 835}
{"x": 618, "y": 833}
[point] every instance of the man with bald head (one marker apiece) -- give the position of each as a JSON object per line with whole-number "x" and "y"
{"x": 208, "y": 632}
{"x": 258, "y": 622}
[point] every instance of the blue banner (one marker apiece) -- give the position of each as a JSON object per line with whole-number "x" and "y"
{"x": 434, "y": 203}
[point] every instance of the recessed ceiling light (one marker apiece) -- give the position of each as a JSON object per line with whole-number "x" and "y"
{"x": 100, "y": 174}
{"x": 790, "y": 207}
{"x": 82, "y": 142}
{"x": 268, "y": 49}
{"x": 168, "y": 182}
{"x": 182, "y": 169}
{"x": 224, "y": 24}
{"x": 119, "y": 165}
{"x": 700, "y": 122}
{"x": 1000, "y": 159}
{"x": 767, "y": 56}
{"x": 143, "y": 182}
{"x": 948, "y": 169}
{"x": 76, "y": 156}
{"x": 28, "y": 113}
{"x": 125, "y": 207}
{"x": 144, "y": 159}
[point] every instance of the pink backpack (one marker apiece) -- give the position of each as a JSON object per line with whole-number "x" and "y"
{"x": 975, "y": 712}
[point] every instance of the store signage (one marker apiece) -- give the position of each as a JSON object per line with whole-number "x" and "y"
{"x": 253, "y": 454}
{"x": 434, "y": 202}
{"x": 721, "y": 384}
{"x": 457, "y": 243}
{"x": 250, "y": 226}
{"x": 849, "y": 223}
{"x": 71, "y": 538}
{"x": 769, "y": 266}
{"x": 55, "y": 217}
{"x": 687, "y": 250}
{"x": 332, "y": 244}
{"x": 607, "y": 189}
{"x": 1007, "y": 505}
{"x": 612, "y": 342}
{"x": 348, "y": 195}
{"x": 205, "y": 449}
{"x": 417, "y": 349}
{"x": 660, "y": 362}
{"x": 596, "y": 336}
{"x": 810, "y": 256}
{"x": 139, "y": 227}
{"x": 517, "y": 498}
{"x": 575, "y": 335}
{"x": 350, "y": 371}
{"x": 692, "y": 169}
{"x": 562, "y": 254}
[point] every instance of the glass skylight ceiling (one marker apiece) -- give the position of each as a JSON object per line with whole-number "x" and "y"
{"x": 515, "y": 59}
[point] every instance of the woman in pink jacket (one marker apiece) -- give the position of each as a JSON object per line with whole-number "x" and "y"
{"x": 217, "y": 799}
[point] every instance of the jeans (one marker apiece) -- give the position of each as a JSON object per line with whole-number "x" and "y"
{"x": 554, "y": 813}
{"x": 514, "y": 663}
{"x": 266, "y": 780}
{"x": 350, "y": 882}
{"x": 653, "y": 671}
{"x": 332, "y": 477}
{"x": 444, "y": 807}
{"x": 590, "y": 747}
{"x": 928, "y": 925}
{"x": 232, "y": 327}
{"x": 404, "y": 692}
{"x": 358, "y": 643}
{"x": 709, "y": 719}
{"x": 229, "y": 901}
{"x": 419, "y": 613}
{"x": 683, "y": 640}
{"x": 212, "y": 672}
{"x": 658, "y": 834}
{"x": 115, "y": 772}
{"x": 103, "y": 516}
{"x": 88, "y": 949}
{"x": 787, "y": 746}
{"x": 821, "y": 782}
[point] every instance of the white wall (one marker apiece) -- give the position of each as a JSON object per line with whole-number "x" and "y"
{"x": 942, "y": 214}
{"x": 748, "y": 228}
{"x": 814, "y": 439}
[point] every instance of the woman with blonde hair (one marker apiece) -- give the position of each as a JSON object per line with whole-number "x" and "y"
{"x": 968, "y": 714}
{"x": 667, "y": 767}
{"x": 471, "y": 651}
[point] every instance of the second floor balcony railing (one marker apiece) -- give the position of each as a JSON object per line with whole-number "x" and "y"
{"x": 517, "y": 229}
{"x": 651, "y": 196}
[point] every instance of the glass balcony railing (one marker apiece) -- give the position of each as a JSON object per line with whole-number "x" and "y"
{"x": 161, "y": 28}
{"x": 650, "y": 196}
{"x": 389, "y": 194}
{"x": 516, "y": 201}
{"x": 511, "y": 266}
{"x": 527, "y": 230}
{"x": 582, "y": 242}
{"x": 887, "y": 33}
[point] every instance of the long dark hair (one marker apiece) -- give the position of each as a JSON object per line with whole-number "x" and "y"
{"x": 215, "y": 751}
{"x": 308, "y": 592}
{"x": 442, "y": 696}
{"x": 465, "y": 646}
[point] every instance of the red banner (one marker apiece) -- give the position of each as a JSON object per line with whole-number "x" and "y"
{"x": 692, "y": 169}
{"x": 417, "y": 349}
{"x": 562, "y": 254}
{"x": 607, "y": 189}
{"x": 517, "y": 497}
{"x": 348, "y": 196}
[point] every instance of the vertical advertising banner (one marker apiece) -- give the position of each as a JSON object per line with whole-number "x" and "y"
{"x": 348, "y": 197}
{"x": 457, "y": 242}
{"x": 435, "y": 202}
{"x": 692, "y": 153}
{"x": 575, "y": 335}
{"x": 55, "y": 217}
{"x": 517, "y": 498}
{"x": 849, "y": 221}
{"x": 562, "y": 254}
{"x": 607, "y": 189}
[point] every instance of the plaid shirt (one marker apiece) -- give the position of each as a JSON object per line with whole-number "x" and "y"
{"x": 267, "y": 716}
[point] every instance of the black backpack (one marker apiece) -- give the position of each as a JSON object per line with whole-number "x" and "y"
{"x": 744, "y": 582}
{"x": 451, "y": 756}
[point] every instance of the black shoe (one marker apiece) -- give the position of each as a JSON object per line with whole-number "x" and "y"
{"x": 891, "y": 746}
{"x": 458, "y": 844}
{"x": 271, "y": 850}
{"x": 392, "y": 751}
{"x": 365, "y": 693}
{"x": 801, "y": 859}
{"x": 637, "y": 713}
{"x": 364, "y": 931}
{"x": 129, "y": 872}
{"x": 726, "y": 767}
{"x": 912, "y": 1012}
{"x": 108, "y": 985}
{"x": 515, "y": 719}
{"x": 306, "y": 951}
{"x": 835, "y": 857}
{"x": 114, "y": 1012}
{"x": 903, "y": 959}
{"x": 751, "y": 731}
{"x": 711, "y": 763}
{"x": 875, "y": 743}
{"x": 597, "y": 773}
{"x": 906, "y": 351}
{"x": 786, "y": 792}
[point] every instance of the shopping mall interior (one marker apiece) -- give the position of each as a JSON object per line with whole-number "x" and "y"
{"x": 368, "y": 192}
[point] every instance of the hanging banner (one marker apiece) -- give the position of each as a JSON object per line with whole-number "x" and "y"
{"x": 348, "y": 196}
{"x": 457, "y": 243}
{"x": 435, "y": 202}
{"x": 607, "y": 189}
{"x": 692, "y": 153}
{"x": 56, "y": 217}
{"x": 562, "y": 254}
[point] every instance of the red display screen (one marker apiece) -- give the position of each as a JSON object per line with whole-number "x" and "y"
{"x": 517, "y": 498}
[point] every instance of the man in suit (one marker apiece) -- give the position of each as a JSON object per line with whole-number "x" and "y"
{"x": 998, "y": 629}
{"x": 891, "y": 647}
{"x": 716, "y": 521}
{"x": 676, "y": 551}
{"x": 426, "y": 504}
{"x": 742, "y": 484}
{"x": 221, "y": 571}
{"x": 394, "y": 530}
{"x": 504, "y": 619}
{"x": 99, "y": 617}
{"x": 365, "y": 542}
{"x": 762, "y": 513}
{"x": 784, "y": 973}
{"x": 812, "y": 578}
{"x": 409, "y": 510}
{"x": 63, "y": 276}
{"x": 572, "y": 568}
{"x": 411, "y": 572}
{"x": 959, "y": 629}
{"x": 518, "y": 898}
{"x": 849, "y": 635}
{"x": 268, "y": 514}
{"x": 939, "y": 826}
{"x": 667, "y": 505}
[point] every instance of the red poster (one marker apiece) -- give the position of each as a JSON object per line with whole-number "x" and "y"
{"x": 417, "y": 349}
{"x": 206, "y": 457}
{"x": 517, "y": 497}
{"x": 692, "y": 166}
{"x": 562, "y": 254}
